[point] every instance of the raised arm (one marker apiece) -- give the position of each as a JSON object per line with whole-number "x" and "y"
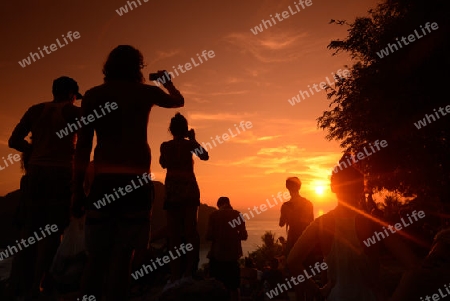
{"x": 172, "y": 100}
{"x": 197, "y": 149}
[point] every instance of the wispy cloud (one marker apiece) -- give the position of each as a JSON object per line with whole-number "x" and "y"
{"x": 161, "y": 55}
{"x": 287, "y": 159}
{"x": 274, "y": 47}
{"x": 219, "y": 117}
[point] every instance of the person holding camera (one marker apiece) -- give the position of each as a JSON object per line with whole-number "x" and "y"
{"x": 122, "y": 158}
{"x": 182, "y": 194}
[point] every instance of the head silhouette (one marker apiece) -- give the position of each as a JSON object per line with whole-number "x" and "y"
{"x": 65, "y": 88}
{"x": 178, "y": 126}
{"x": 223, "y": 201}
{"x": 293, "y": 184}
{"x": 347, "y": 183}
{"x": 124, "y": 63}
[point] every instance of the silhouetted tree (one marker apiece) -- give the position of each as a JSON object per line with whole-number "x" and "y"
{"x": 384, "y": 97}
{"x": 269, "y": 250}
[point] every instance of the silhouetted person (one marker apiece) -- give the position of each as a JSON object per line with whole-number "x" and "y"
{"x": 115, "y": 229}
{"x": 182, "y": 196}
{"x": 296, "y": 214}
{"x": 48, "y": 163}
{"x": 431, "y": 277}
{"x": 226, "y": 248}
{"x": 352, "y": 267}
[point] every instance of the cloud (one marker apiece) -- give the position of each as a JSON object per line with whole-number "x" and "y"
{"x": 287, "y": 159}
{"x": 161, "y": 55}
{"x": 272, "y": 46}
{"x": 219, "y": 117}
{"x": 289, "y": 127}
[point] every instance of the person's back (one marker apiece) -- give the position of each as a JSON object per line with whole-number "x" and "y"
{"x": 353, "y": 269}
{"x": 45, "y": 189}
{"x": 226, "y": 249}
{"x": 122, "y": 141}
{"x": 226, "y": 244}
{"x": 299, "y": 214}
{"x": 182, "y": 195}
{"x": 117, "y": 221}
{"x": 178, "y": 156}
{"x": 47, "y": 120}
{"x": 296, "y": 214}
{"x": 352, "y": 266}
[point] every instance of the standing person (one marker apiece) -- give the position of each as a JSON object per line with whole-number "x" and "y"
{"x": 47, "y": 161}
{"x": 352, "y": 267}
{"x": 118, "y": 113}
{"x": 182, "y": 194}
{"x": 296, "y": 214}
{"x": 226, "y": 248}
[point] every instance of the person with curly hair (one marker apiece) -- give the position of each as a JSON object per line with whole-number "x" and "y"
{"x": 122, "y": 157}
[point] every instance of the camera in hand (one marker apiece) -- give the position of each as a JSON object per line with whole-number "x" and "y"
{"x": 160, "y": 74}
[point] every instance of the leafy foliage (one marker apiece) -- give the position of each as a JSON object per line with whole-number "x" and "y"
{"x": 269, "y": 250}
{"x": 384, "y": 97}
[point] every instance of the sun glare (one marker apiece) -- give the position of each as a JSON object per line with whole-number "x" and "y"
{"x": 319, "y": 190}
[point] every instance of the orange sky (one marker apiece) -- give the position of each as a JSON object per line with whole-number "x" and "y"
{"x": 250, "y": 79}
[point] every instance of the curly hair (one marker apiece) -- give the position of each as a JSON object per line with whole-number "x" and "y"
{"x": 124, "y": 63}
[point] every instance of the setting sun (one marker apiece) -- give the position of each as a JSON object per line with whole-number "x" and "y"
{"x": 320, "y": 190}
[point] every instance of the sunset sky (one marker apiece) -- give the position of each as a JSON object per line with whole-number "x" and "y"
{"x": 250, "y": 79}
